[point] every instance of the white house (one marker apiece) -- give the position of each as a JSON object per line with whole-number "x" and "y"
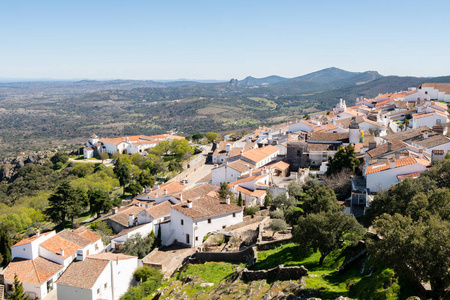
{"x": 431, "y": 91}
{"x": 382, "y": 175}
{"x": 100, "y": 276}
{"x": 190, "y": 222}
{"x": 133, "y": 144}
{"x": 435, "y": 118}
{"x": 259, "y": 156}
{"x": 435, "y": 142}
{"x": 228, "y": 149}
{"x": 88, "y": 152}
{"x": 304, "y": 125}
{"x": 230, "y": 171}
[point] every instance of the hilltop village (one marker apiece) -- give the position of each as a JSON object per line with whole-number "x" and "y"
{"x": 228, "y": 186}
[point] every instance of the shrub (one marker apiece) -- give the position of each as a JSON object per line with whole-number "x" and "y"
{"x": 277, "y": 214}
{"x": 277, "y": 225}
{"x": 235, "y": 242}
{"x": 146, "y": 273}
{"x": 250, "y": 211}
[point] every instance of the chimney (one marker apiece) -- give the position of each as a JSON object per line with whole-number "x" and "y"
{"x": 215, "y": 166}
{"x": 228, "y": 148}
{"x": 250, "y": 172}
{"x": 421, "y": 153}
{"x": 425, "y": 135}
{"x": 38, "y": 233}
{"x": 130, "y": 220}
{"x": 389, "y": 146}
{"x": 181, "y": 197}
{"x": 114, "y": 210}
{"x": 61, "y": 251}
{"x": 189, "y": 203}
{"x": 242, "y": 152}
{"x": 227, "y": 199}
{"x": 397, "y": 155}
{"x": 392, "y": 163}
{"x": 372, "y": 145}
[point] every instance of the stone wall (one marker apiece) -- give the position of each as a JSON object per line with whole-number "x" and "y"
{"x": 243, "y": 256}
{"x": 272, "y": 244}
{"x": 280, "y": 273}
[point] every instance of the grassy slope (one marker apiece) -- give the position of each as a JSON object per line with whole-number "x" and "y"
{"x": 381, "y": 284}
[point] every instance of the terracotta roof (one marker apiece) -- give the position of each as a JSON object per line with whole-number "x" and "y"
{"x": 88, "y": 148}
{"x": 122, "y": 217}
{"x": 329, "y": 136}
{"x": 408, "y": 134}
{"x": 159, "y": 210}
{"x": 206, "y": 207}
{"x": 55, "y": 243}
{"x": 442, "y": 87}
{"x": 259, "y": 154}
{"x": 114, "y": 141}
{"x": 255, "y": 193}
{"x": 422, "y": 115}
{"x": 406, "y": 161}
{"x": 171, "y": 188}
{"x": 198, "y": 191}
{"x": 410, "y": 175}
{"x": 382, "y": 149}
{"x": 88, "y": 234}
{"x": 241, "y": 165}
{"x": 324, "y": 128}
{"x": 111, "y": 256}
{"x": 84, "y": 273}
{"x": 322, "y": 147}
{"x": 37, "y": 270}
{"x": 281, "y": 165}
{"x": 31, "y": 239}
{"x": 433, "y": 141}
{"x": 74, "y": 238}
{"x": 247, "y": 179}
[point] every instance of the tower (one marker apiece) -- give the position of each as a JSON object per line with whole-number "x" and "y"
{"x": 353, "y": 131}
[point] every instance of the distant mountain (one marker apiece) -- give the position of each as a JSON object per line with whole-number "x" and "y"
{"x": 252, "y": 81}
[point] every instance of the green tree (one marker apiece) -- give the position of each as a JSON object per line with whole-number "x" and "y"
{"x": 175, "y": 166}
{"x": 61, "y": 157}
{"x": 158, "y": 237}
{"x": 196, "y": 137}
{"x": 283, "y": 201}
{"x": 64, "y": 203}
{"x": 268, "y": 199}
{"x": 146, "y": 273}
{"x": 212, "y": 136}
{"x": 224, "y": 191}
{"x": 345, "y": 158}
{"x": 77, "y": 206}
{"x": 318, "y": 198}
{"x": 99, "y": 201}
{"x": 418, "y": 249}
{"x": 122, "y": 169}
{"x": 181, "y": 147}
{"x": 103, "y": 156}
{"x": 165, "y": 147}
{"x": 327, "y": 231}
{"x": 138, "y": 246}
{"x": 295, "y": 189}
{"x": 18, "y": 292}
{"x": 83, "y": 169}
{"x": 146, "y": 179}
{"x": 5, "y": 246}
{"x": 277, "y": 225}
{"x": 134, "y": 188}
{"x": 239, "y": 202}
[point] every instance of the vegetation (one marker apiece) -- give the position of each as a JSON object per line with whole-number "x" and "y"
{"x": 149, "y": 278}
{"x": 277, "y": 225}
{"x": 345, "y": 158}
{"x": 18, "y": 292}
{"x": 5, "y": 247}
{"x": 251, "y": 210}
{"x": 138, "y": 246}
{"x": 268, "y": 199}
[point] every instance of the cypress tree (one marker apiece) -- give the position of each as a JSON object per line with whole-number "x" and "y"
{"x": 5, "y": 246}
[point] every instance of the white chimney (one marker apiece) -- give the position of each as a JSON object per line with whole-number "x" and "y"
{"x": 38, "y": 233}
{"x": 250, "y": 172}
{"x": 425, "y": 135}
{"x": 61, "y": 251}
{"x": 165, "y": 191}
{"x": 156, "y": 195}
{"x": 392, "y": 163}
{"x": 242, "y": 152}
{"x": 181, "y": 197}
{"x": 421, "y": 153}
{"x": 228, "y": 148}
{"x": 189, "y": 203}
{"x": 114, "y": 210}
{"x": 130, "y": 220}
{"x": 227, "y": 199}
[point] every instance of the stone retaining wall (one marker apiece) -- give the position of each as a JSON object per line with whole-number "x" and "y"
{"x": 272, "y": 244}
{"x": 243, "y": 256}
{"x": 280, "y": 273}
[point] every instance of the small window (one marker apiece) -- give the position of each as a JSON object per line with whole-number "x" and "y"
{"x": 223, "y": 227}
{"x": 209, "y": 221}
{"x": 182, "y": 222}
{"x": 196, "y": 238}
{"x": 106, "y": 285}
{"x": 426, "y": 92}
{"x": 9, "y": 287}
{"x": 234, "y": 215}
{"x": 98, "y": 291}
{"x": 96, "y": 246}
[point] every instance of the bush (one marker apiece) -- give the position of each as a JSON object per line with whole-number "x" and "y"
{"x": 277, "y": 225}
{"x": 250, "y": 211}
{"x": 146, "y": 273}
{"x": 217, "y": 239}
{"x": 277, "y": 214}
{"x": 235, "y": 242}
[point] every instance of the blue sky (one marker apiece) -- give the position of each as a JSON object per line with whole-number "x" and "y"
{"x": 221, "y": 39}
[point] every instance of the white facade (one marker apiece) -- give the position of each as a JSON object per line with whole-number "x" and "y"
{"x": 384, "y": 179}
{"x": 428, "y": 93}
{"x": 430, "y": 121}
{"x": 88, "y": 152}
{"x": 36, "y": 290}
{"x": 224, "y": 173}
{"x": 31, "y": 250}
{"x": 192, "y": 232}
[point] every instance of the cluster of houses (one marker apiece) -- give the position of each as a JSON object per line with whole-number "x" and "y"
{"x": 395, "y": 136}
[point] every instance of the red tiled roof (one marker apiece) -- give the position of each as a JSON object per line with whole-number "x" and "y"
{"x": 259, "y": 154}
{"x": 410, "y": 175}
{"x": 37, "y": 270}
{"x": 206, "y": 207}
{"x": 30, "y": 239}
{"x": 55, "y": 243}
{"x": 84, "y": 273}
{"x": 405, "y": 161}
{"x": 88, "y": 234}
{"x": 382, "y": 149}
{"x": 159, "y": 210}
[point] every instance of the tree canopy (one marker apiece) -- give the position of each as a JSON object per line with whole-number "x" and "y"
{"x": 212, "y": 136}
{"x": 344, "y": 158}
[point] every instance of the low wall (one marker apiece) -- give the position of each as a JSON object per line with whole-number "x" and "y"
{"x": 272, "y": 244}
{"x": 190, "y": 170}
{"x": 279, "y": 273}
{"x": 247, "y": 221}
{"x": 242, "y": 256}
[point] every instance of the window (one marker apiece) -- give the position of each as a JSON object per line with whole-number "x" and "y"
{"x": 223, "y": 227}
{"x": 9, "y": 287}
{"x": 182, "y": 222}
{"x": 234, "y": 215}
{"x": 438, "y": 121}
{"x": 98, "y": 291}
{"x": 426, "y": 92}
{"x": 106, "y": 285}
{"x": 96, "y": 246}
{"x": 196, "y": 238}
{"x": 49, "y": 285}
{"x": 209, "y": 221}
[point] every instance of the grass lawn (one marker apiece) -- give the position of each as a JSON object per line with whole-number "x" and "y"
{"x": 381, "y": 284}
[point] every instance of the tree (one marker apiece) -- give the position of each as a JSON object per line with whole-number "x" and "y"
{"x": 345, "y": 158}
{"x": 175, "y": 166}
{"x": 145, "y": 273}
{"x": 77, "y": 206}
{"x": 158, "y": 237}
{"x": 83, "y": 169}
{"x": 327, "y": 231}
{"x": 18, "y": 293}
{"x": 61, "y": 157}
{"x": 103, "y": 156}
{"x": 165, "y": 146}
{"x": 224, "y": 191}
{"x": 196, "y": 137}
{"x": 99, "y": 201}
{"x": 418, "y": 249}
{"x": 5, "y": 246}
{"x": 65, "y": 202}
{"x": 146, "y": 180}
{"x": 318, "y": 198}
{"x": 212, "y": 137}
{"x": 284, "y": 201}
{"x": 294, "y": 189}
{"x": 277, "y": 225}
{"x": 134, "y": 188}
{"x": 239, "y": 202}
{"x": 138, "y": 246}
{"x": 268, "y": 199}
{"x": 122, "y": 169}
{"x": 181, "y": 147}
